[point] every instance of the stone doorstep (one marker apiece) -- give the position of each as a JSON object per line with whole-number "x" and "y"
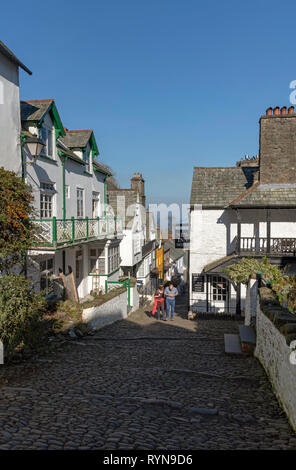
{"x": 232, "y": 344}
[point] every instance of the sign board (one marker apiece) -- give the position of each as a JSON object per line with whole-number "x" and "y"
{"x": 179, "y": 243}
{"x": 198, "y": 283}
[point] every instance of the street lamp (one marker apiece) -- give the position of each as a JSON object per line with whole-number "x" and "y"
{"x": 35, "y": 146}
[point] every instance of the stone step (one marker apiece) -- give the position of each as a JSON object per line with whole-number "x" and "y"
{"x": 247, "y": 334}
{"x": 232, "y": 344}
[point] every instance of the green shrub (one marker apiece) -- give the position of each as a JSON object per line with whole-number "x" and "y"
{"x": 284, "y": 286}
{"x": 21, "y": 312}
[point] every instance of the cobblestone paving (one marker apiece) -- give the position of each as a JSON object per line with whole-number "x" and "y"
{"x": 143, "y": 384}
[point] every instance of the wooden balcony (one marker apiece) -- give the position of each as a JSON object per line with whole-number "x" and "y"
{"x": 267, "y": 246}
{"x": 59, "y": 232}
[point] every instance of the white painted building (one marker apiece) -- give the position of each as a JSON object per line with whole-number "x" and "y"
{"x": 69, "y": 188}
{"x": 139, "y": 232}
{"x": 174, "y": 261}
{"x": 245, "y": 210}
{"x": 10, "y": 123}
{"x": 147, "y": 275}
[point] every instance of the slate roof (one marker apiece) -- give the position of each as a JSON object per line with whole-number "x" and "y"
{"x": 218, "y": 264}
{"x": 34, "y": 110}
{"x": 13, "y": 58}
{"x": 148, "y": 247}
{"x": 219, "y": 186}
{"x": 175, "y": 253}
{"x": 63, "y": 148}
{"x": 77, "y": 139}
{"x": 101, "y": 168}
{"x": 267, "y": 195}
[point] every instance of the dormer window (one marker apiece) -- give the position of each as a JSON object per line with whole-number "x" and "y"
{"x": 86, "y": 158}
{"x": 46, "y": 135}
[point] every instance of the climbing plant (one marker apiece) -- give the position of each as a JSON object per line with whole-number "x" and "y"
{"x": 16, "y": 228}
{"x": 282, "y": 284}
{"x": 242, "y": 271}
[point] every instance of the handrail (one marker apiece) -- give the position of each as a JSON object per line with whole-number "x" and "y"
{"x": 274, "y": 245}
{"x": 126, "y": 284}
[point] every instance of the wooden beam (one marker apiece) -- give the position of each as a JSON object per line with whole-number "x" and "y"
{"x": 238, "y": 232}
{"x": 238, "y": 299}
{"x": 268, "y": 230}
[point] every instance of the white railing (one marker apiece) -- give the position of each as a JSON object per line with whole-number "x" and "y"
{"x": 52, "y": 232}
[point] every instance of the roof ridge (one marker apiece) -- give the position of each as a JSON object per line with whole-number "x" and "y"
{"x": 78, "y": 130}
{"x": 4, "y": 49}
{"x": 37, "y": 101}
{"x": 215, "y": 167}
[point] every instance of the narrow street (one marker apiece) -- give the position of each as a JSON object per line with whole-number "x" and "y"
{"x": 143, "y": 384}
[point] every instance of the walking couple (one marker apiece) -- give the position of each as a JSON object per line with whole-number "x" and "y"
{"x": 167, "y": 296}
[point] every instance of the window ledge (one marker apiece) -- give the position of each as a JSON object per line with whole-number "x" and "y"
{"x": 49, "y": 158}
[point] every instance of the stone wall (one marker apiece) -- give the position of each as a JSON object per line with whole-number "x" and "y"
{"x": 276, "y": 330}
{"x": 277, "y": 149}
{"x": 113, "y": 310}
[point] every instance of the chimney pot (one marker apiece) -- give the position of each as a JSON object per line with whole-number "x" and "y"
{"x": 269, "y": 111}
{"x": 276, "y": 111}
{"x": 284, "y": 110}
{"x": 291, "y": 110}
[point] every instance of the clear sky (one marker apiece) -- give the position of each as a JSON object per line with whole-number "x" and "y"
{"x": 165, "y": 84}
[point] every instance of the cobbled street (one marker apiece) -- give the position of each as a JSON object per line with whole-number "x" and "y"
{"x": 143, "y": 384}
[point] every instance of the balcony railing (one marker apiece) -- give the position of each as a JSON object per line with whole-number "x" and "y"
{"x": 273, "y": 246}
{"x": 55, "y": 232}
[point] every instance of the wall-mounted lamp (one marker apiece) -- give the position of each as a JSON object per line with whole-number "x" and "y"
{"x": 35, "y": 146}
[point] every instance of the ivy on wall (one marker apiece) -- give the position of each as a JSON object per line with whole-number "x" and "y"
{"x": 282, "y": 284}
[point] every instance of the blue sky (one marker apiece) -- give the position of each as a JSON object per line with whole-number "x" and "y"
{"x": 165, "y": 84}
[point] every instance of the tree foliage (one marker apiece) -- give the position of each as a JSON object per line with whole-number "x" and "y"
{"x": 16, "y": 228}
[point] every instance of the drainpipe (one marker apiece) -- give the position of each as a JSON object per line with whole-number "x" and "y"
{"x": 64, "y": 159}
{"x": 23, "y": 141}
{"x": 105, "y": 195}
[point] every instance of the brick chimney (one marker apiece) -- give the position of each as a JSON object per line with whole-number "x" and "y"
{"x": 278, "y": 146}
{"x": 138, "y": 185}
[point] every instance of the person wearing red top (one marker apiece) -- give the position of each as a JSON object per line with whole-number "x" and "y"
{"x": 159, "y": 302}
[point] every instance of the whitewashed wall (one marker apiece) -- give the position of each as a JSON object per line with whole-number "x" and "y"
{"x": 109, "y": 312}
{"x": 213, "y": 236}
{"x": 274, "y": 354}
{"x": 10, "y": 126}
{"x": 77, "y": 177}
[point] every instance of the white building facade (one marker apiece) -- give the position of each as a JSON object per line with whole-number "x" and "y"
{"x": 137, "y": 248}
{"x": 69, "y": 188}
{"x": 246, "y": 210}
{"x": 10, "y": 122}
